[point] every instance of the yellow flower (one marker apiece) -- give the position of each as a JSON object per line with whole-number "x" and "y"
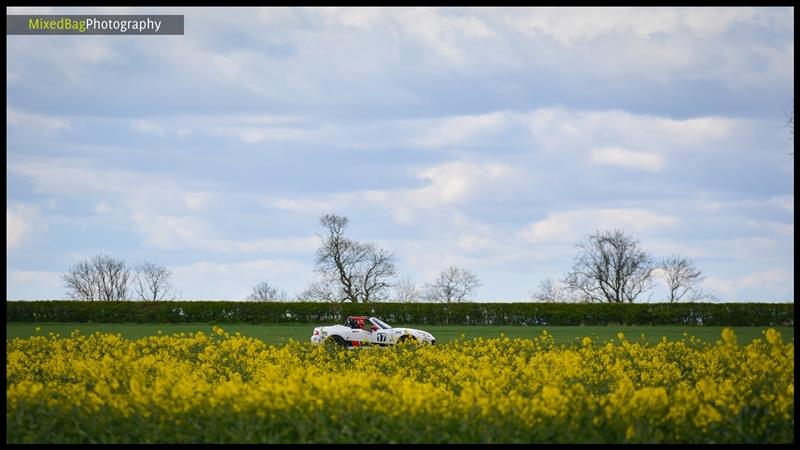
{"x": 773, "y": 336}
{"x": 498, "y": 389}
{"x": 728, "y": 336}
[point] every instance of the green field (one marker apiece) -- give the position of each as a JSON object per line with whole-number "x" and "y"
{"x": 282, "y": 333}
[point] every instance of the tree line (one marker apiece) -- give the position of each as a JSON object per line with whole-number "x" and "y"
{"x": 610, "y": 267}
{"x": 104, "y": 278}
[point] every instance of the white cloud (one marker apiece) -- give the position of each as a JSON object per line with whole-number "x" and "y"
{"x": 149, "y": 126}
{"x": 361, "y": 18}
{"x": 197, "y": 201}
{"x": 70, "y": 178}
{"x": 21, "y": 221}
{"x": 172, "y": 232}
{"x": 250, "y": 129}
{"x": 457, "y": 181}
{"x": 257, "y": 135}
{"x": 661, "y": 248}
{"x": 742, "y": 250}
{"x": 34, "y": 277}
{"x": 194, "y": 233}
{"x": 310, "y": 206}
{"x": 103, "y": 208}
{"x": 94, "y": 52}
{"x": 472, "y": 242}
{"x": 35, "y": 285}
{"x": 450, "y": 37}
{"x": 164, "y": 213}
{"x": 448, "y": 185}
{"x": 561, "y": 130}
{"x": 771, "y": 227}
{"x": 287, "y": 245}
{"x": 549, "y": 129}
{"x": 785, "y": 202}
{"x": 571, "y": 225}
{"x": 451, "y": 131}
{"x": 747, "y": 249}
{"x": 428, "y": 258}
{"x": 130, "y": 190}
{"x": 661, "y": 43}
{"x": 570, "y": 26}
{"x": 16, "y": 229}
{"x": 615, "y": 156}
{"x": 694, "y": 130}
{"x": 766, "y": 283}
{"x": 39, "y": 122}
{"x": 437, "y": 36}
{"x": 235, "y": 280}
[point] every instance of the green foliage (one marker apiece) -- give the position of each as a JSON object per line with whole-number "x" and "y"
{"x": 720, "y": 314}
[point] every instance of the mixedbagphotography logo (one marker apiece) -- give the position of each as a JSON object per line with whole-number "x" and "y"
{"x": 95, "y": 24}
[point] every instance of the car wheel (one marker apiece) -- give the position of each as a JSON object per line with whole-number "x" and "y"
{"x": 337, "y": 340}
{"x": 408, "y": 339}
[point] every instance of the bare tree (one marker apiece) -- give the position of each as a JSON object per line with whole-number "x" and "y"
{"x": 681, "y": 276}
{"x": 264, "y": 292}
{"x": 699, "y": 295}
{"x": 152, "y": 282}
{"x": 376, "y": 273}
{"x": 548, "y": 291}
{"x": 453, "y": 285}
{"x": 362, "y": 270}
{"x": 552, "y": 291}
{"x": 336, "y": 256}
{"x": 323, "y": 289}
{"x": 405, "y": 291}
{"x": 102, "y": 278}
{"x": 80, "y": 282}
{"x": 611, "y": 268}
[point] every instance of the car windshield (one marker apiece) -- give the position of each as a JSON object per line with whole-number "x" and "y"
{"x": 380, "y": 323}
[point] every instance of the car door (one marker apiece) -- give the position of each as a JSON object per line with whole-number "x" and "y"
{"x": 359, "y": 335}
{"x": 379, "y": 337}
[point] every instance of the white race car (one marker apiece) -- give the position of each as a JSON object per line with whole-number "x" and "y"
{"x": 361, "y": 330}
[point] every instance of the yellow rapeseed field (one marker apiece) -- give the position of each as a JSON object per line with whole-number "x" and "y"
{"x": 223, "y": 388}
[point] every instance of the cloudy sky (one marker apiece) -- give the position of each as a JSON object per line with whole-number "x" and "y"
{"x": 492, "y": 139}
